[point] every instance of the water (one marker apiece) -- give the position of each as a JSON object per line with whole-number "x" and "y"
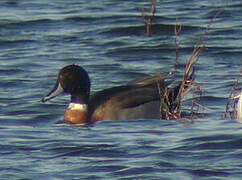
{"x": 37, "y": 38}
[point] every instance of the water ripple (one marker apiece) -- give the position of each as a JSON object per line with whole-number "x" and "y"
{"x": 107, "y": 38}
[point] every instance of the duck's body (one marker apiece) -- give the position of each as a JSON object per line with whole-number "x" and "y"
{"x": 124, "y": 102}
{"x": 239, "y": 107}
{"x": 136, "y": 100}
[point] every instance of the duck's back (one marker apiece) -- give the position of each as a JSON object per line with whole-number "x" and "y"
{"x": 137, "y": 100}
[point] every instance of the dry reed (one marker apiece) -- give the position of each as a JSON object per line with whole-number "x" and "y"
{"x": 171, "y": 99}
{"x": 230, "y": 109}
{"x": 148, "y": 17}
{"x": 177, "y": 30}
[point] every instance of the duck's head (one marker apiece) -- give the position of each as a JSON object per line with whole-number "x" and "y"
{"x": 74, "y": 80}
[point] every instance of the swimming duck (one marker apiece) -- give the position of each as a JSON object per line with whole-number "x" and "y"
{"x": 139, "y": 99}
{"x": 239, "y": 107}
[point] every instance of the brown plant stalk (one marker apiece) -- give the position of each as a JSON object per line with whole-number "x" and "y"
{"x": 177, "y": 30}
{"x": 148, "y": 16}
{"x": 188, "y": 81}
{"x": 230, "y": 108}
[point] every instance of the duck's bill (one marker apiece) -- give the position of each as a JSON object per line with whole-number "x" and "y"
{"x": 53, "y": 93}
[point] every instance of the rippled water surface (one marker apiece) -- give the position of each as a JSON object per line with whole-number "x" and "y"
{"x": 39, "y": 37}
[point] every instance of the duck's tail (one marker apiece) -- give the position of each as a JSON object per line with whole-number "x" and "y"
{"x": 172, "y": 98}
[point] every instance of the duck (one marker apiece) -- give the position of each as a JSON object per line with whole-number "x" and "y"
{"x": 238, "y": 98}
{"x": 138, "y": 99}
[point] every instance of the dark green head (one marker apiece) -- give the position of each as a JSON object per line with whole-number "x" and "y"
{"x": 71, "y": 79}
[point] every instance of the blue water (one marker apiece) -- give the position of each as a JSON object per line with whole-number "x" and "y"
{"x": 39, "y": 37}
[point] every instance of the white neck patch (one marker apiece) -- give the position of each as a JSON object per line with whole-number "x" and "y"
{"x": 77, "y": 106}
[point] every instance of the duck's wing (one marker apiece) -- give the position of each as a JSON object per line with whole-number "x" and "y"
{"x": 116, "y": 104}
{"x": 137, "y": 95}
{"x": 143, "y": 96}
{"x": 134, "y": 93}
{"x": 151, "y": 80}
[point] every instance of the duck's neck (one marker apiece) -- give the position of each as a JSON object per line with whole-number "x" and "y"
{"x": 76, "y": 113}
{"x": 80, "y": 98}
